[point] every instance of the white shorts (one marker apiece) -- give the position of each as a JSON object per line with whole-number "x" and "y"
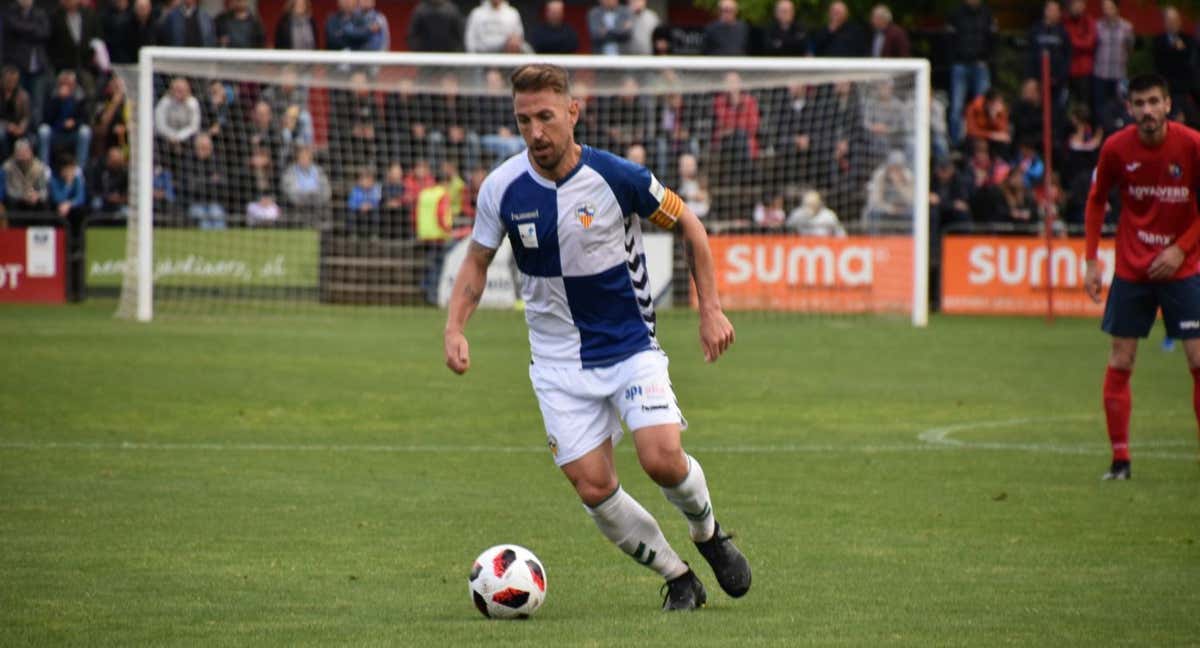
{"x": 583, "y": 408}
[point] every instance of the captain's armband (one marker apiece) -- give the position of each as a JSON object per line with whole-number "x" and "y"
{"x": 670, "y": 208}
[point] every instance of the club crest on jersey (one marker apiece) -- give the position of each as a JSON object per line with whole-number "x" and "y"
{"x": 553, "y": 443}
{"x": 1175, "y": 171}
{"x": 586, "y": 213}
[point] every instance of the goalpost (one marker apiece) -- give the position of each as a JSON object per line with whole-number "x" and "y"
{"x": 349, "y": 178}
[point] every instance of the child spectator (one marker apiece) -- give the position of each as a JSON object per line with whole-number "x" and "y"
{"x": 363, "y": 202}
{"x": 67, "y": 193}
{"x": 393, "y": 200}
{"x": 813, "y": 218}
{"x": 1029, "y": 162}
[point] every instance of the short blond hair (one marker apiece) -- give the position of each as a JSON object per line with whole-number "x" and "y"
{"x": 536, "y": 77}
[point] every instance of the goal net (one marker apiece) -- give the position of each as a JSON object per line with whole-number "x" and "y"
{"x": 293, "y": 180}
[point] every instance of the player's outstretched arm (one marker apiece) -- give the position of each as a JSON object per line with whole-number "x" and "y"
{"x": 468, "y": 289}
{"x": 716, "y": 333}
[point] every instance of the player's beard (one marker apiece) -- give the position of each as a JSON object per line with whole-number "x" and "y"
{"x": 1151, "y": 126}
{"x": 549, "y": 157}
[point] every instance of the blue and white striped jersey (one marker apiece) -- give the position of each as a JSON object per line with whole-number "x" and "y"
{"x": 578, "y": 244}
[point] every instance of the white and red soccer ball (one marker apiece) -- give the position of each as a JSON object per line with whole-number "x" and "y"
{"x": 507, "y": 582}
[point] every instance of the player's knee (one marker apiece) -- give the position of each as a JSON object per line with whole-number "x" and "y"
{"x": 665, "y": 463}
{"x": 1122, "y": 356}
{"x": 594, "y": 491}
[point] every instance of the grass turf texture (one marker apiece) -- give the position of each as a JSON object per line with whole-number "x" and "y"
{"x": 323, "y": 479}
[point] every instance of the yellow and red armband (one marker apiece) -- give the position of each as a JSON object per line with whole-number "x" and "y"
{"x": 670, "y": 208}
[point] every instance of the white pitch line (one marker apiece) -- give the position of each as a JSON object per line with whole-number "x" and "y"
{"x": 941, "y": 437}
{"x": 932, "y": 439}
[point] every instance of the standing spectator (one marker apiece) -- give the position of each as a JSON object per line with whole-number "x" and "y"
{"x": 305, "y": 185}
{"x": 118, "y": 27}
{"x": 735, "y": 129}
{"x": 296, "y": 28}
{"x": 1027, "y": 114}
{"x": 784, "y": 35}
{"x": 239, "y": 27}
{"x": 218, "y": 117}
{"x": 1175, "y": 59}
{"x": 453, "y": 123}
{"x": 110, "y": 118}
{"x": 345, "y": 28}
{"x": 187, "y": 25}
{"x": 610, "y": 25}
{"x": 1081, "y": 29}
{"x": 14, "y": 110}
{"x": 72, "y": 29}
{"x": 377, "y": 23}
{"x": 889, "y": 40}
{"x": 26, "y": 32}
{"x": 203, "y": 187}
{"x": 1048, "y": 35}
{"x": 25, "y": 179}
{"x": 552, "y": 35}
{"x": 263, "y": 134}
{"x": 887, "y": 119}
{"x": 987, "y": 119}
{"x": 840, "y": 36}
{"x": 145, "y": 25}
{"x": 626, "y": 119}
{"x": 797, "y": 137}
{"x": 495, "y": 124}
{"x": 972, "y": 31}
{"x": 436, "y": 26}
{"x": 645, "y": 21}
{"x": 495, "y": 27}
{"x": 1114, "y": 43}
{"x": 358, "y": 121}
{"x": 65, "y": 123}
{"x": 728, "y": 35}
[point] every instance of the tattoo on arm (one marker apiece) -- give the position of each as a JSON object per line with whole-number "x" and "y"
{"x": 472, "y": 293}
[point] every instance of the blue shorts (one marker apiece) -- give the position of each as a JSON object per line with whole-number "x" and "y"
{"x": 1132, "y": 306}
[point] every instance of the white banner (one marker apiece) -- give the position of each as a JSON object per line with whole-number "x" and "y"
{"x": 40, "y": 251}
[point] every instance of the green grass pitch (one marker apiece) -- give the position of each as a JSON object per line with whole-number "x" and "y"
{"x": 322, "y": 479}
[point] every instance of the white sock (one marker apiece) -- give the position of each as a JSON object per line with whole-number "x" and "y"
{"x": 629, "y": 526}
{"x": 690, "y": 496}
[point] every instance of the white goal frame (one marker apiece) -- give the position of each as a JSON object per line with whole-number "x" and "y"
{"x": 920, "y": 68}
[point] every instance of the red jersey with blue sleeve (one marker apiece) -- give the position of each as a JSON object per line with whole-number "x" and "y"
{"x": 1158, "y": 199}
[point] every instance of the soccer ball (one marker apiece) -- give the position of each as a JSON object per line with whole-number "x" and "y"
{"x": 507, "y": 582}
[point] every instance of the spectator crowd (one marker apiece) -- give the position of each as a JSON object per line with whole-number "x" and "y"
{"x": 406, "y": 156}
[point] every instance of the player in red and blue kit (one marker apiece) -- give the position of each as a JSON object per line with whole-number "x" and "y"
{"x": 1155, "y": 164}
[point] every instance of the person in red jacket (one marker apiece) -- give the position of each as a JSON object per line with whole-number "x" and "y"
{"x": 1155, "y": 164}
{"x": 1081, "y": 29}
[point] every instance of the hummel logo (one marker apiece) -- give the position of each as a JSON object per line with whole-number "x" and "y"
{"x": 1132, "y": 166}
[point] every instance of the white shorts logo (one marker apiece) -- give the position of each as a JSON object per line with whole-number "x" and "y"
{"x": 528, "y": 232}
{"x": 1189, "y": 325}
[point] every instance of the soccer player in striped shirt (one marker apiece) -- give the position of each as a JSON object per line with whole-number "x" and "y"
{"x": 571, "y": 213}
{"x": 1156, "y": 165}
